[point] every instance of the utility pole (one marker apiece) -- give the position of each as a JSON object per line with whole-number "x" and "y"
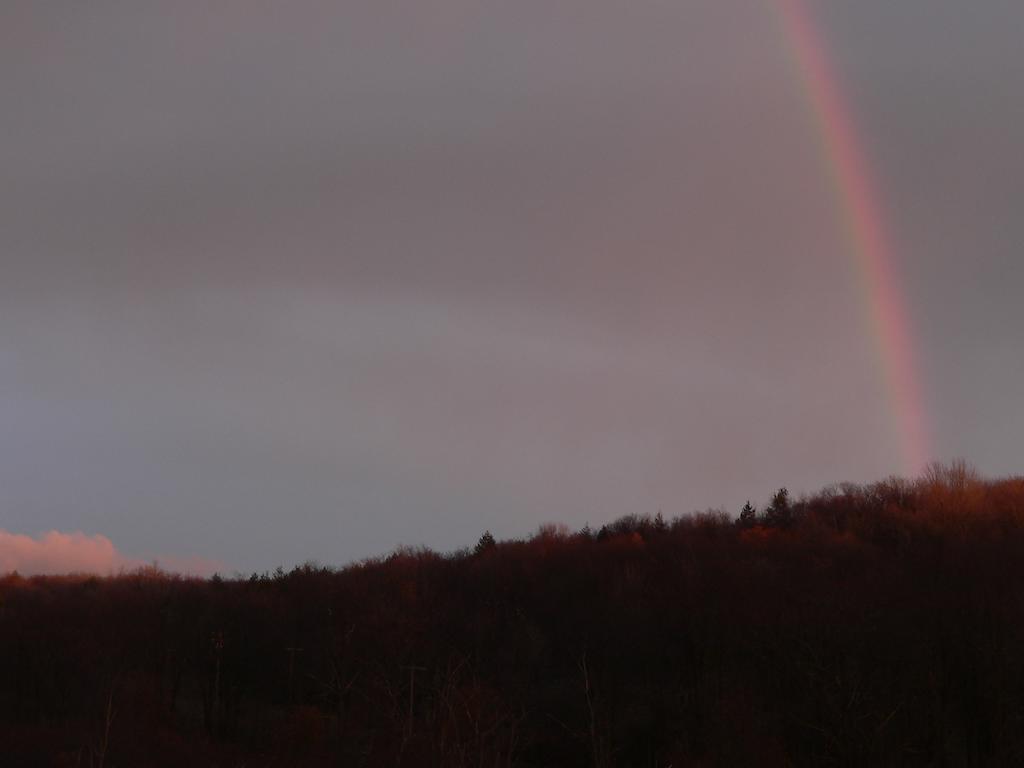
{"x": 217, "y": 643}
{"x": 412, "y": 694}
{"x": 291, "y": 672}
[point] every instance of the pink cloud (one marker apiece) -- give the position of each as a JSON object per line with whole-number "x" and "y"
{"x": 55, "y": 552}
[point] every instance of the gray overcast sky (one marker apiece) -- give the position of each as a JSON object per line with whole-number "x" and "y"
{"x": 310, "y": 280}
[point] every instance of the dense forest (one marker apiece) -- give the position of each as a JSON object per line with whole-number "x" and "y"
{"x": 863, "y": 625}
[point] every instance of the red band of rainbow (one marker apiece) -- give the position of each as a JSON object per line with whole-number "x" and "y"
{"x": 865, "y": 227}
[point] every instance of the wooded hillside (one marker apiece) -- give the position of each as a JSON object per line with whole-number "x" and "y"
{"x": 877, "y": 625}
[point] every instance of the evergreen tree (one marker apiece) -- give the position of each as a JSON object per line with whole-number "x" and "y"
{"x": 748, "y": 516}
{"x": 486, "y": 543}
{"x": 780, "y": 512}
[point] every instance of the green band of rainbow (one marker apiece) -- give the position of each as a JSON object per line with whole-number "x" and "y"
{"x": 865, "y": 227}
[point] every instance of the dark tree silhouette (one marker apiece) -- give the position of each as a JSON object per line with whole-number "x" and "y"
{"x": 780, "y": 511}
{"x": 748, "y": 516}
{"x": 660, "y": 526}
{"x": 485, "y": 543}
{"x": 866, "y": 625}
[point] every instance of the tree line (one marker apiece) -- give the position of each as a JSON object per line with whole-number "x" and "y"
{"x": 871, "y": 624}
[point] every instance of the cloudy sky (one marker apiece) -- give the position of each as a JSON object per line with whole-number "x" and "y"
{"x": 309, "y": 280}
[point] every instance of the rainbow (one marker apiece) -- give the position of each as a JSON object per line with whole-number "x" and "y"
{"x": 864, "y": 225}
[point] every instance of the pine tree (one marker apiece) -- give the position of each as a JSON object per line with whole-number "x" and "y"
{"x": 748, "y": 516}
{"x": 779, "y": 512}
{"x": 486, "y": 543}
